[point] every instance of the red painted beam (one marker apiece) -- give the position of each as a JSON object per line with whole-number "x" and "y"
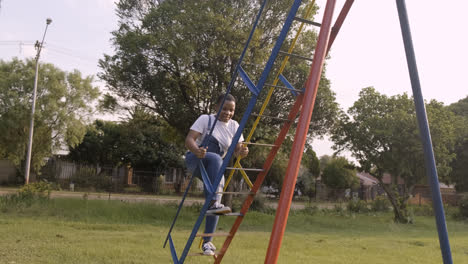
{"x": 261, "y": 176}
{"x": 289, "y": 182}
{"x": 269, "y": 161}
{"x": 339, "y": 22}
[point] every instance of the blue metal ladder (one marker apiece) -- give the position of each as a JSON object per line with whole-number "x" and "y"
{"x": 255, "y": 89}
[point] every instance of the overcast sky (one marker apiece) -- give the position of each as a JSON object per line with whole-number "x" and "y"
{"x": 367, "y": 52}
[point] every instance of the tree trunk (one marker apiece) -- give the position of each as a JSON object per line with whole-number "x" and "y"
{"x": 179, "y": 180}
{"x": 400, "y": 209}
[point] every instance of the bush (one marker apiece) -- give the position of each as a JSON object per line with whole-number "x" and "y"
{"x": 236, "y": 205}
{"x": 463, "y": 206}
{"x": 87, "y": 178}
{"x": 259, "y": 204}
{"x": 13, "y": 201}
{"x": 422, "y": 210}
{"x": 132, "y": 189}
{"x": 311, "y": 209}
{"x": 357, "y": 206}
{"x": 380, "y": 204}
{"x": 39, "y": 190}
{"x": 158, "y": 184}
{"x": 26, "y": 196}
{"x": 337, "y": 208}
{"x": 194, "y": 187}
{"x": 340, "y": 174}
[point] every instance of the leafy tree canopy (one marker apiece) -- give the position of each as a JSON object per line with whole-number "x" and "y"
{"x": 324, "y": 160}
{"x": 176, "y": 57}
{"x": 460, "y": 108}
{"x": 459, "y": 174}
{"x": 340, "y": 174}
{"x": 142, "y": 141}
{"x": 311, "y": 162}
{"x": 308, "y": 173}
{"x": 382, "y": 133}
{"x": 63, "y": 103}
{"x": 99, "y": 144}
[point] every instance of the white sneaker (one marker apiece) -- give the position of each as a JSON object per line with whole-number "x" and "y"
{"x": 208, "y": 249}
{"x": 218, "y": 209}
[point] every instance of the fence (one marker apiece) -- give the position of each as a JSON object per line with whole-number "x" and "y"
{"x": 109, "y": 177}
{"x": 174, "y": 179}
{"x": 84, "y": 175}
{"x": 7, "y": 171}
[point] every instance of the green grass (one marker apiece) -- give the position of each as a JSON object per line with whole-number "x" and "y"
{"x": 65, "y": 230}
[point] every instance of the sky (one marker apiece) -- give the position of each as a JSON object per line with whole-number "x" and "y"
{"x": 367, "y": 52}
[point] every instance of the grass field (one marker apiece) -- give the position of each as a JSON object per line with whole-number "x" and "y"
{"x": 64, "y": 230}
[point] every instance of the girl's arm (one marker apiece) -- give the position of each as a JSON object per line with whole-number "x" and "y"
{"x": 190, "y": 143}
{"x": 241, "y": 150}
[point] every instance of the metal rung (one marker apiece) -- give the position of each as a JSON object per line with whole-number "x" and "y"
{"x": 233, "y": 168}
{"x": 241, "y": 193}
{"x": 272, "y": 117}
{"x": 199, "y": 254}
{"x": 259, "y": 144}
{"x": 234, "y": 214}
{"x": 284, "y": 87}
{"x": 307, "y": 21}
{"x": 295, "y": 56}
{"x": 212, "y": 235}
{"x": 229, "y": 214}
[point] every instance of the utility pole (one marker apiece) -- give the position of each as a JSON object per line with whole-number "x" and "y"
{"x": 38, "y": 46}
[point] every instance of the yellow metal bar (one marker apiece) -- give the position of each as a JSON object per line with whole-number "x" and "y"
{"x": 283, "y": 65}
{"x": 231, "y": 173}
{"x": 270, "y": 92}
{"x": 246, "y": 178}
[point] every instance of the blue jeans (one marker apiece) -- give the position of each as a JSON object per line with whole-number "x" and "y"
{"x": 212, "y": 163}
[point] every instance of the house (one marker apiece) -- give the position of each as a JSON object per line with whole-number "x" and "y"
{"x": 368, "y": 189}
{"x": 387, "y": 179}
{"x": 421, "y": 194}
{"x": 369, "y": 186}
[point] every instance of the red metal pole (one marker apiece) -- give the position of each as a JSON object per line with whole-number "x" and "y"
{"x": 261, "y": 176}
{"x": 289, "y": 183}
{"x": 339, "y": 22}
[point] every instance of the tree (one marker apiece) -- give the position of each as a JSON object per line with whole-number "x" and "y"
{"x": 63, "y": 103}
{"x": 340, "y": 174}
{"x": 460, "y": 108}
{"x": 148, "y": 142}
{"x": 308, "y": 173}
{"x": 257, "y": 157}
{"x": 100, "y": 144}
{"x": 176, "y": 57}
{"x": 459, "y": 173}
{"x": 381, "y": 133}
{"x": 141, "y": 142}
{"x": 324, "y": 160}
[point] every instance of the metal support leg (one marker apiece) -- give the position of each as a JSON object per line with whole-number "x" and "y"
{"x": 431, "y": 169}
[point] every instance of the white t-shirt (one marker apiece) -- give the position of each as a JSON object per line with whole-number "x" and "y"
{"x": 223, "y": 131}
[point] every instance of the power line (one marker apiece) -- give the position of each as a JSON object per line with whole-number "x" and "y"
{"x": 50, "y": 47}
{"x": 20, "y": 43}
{"x": 17, "y": 41}
{"x": 75, "y": 56}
